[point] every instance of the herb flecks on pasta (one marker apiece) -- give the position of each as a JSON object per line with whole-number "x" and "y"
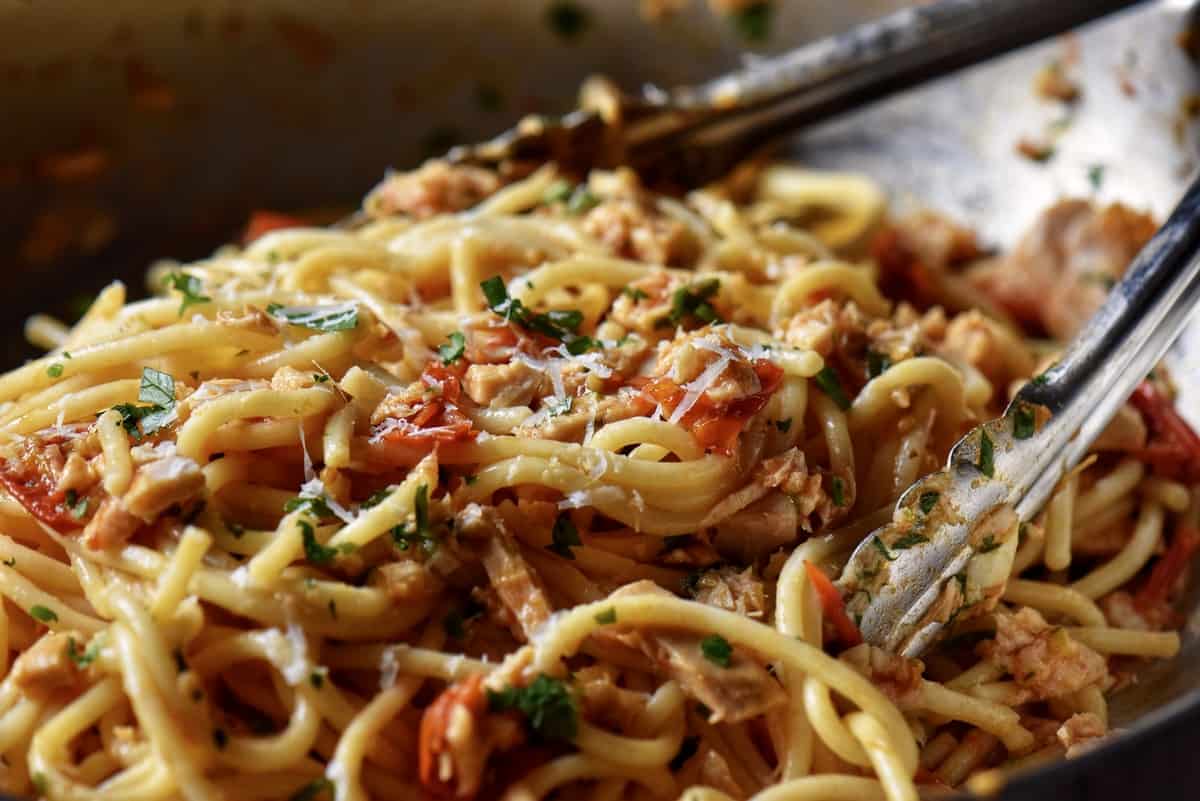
{"x": 544, "y": 485}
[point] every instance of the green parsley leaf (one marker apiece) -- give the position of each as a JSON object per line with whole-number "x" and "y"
{"x": 606, "y": 617}
{"x": 55, "y": 370}
{"x": 837, "y": 490}
{"x": 692, "y": 301}
{"x": 1095, "y": 176}
{"x": 883, "y": 549}
{"x": 83, "y": 658}
{"x": 314, "y": 551}
{"x": 317, "y": 679}
{"x": 987, "y": 455}
{"x": 565, "y": 536}
{"x": 753, "y": 22}
{"x": 557, "y": 406}
{"x": 190, "y": 287}
{"x": 455, "y": 621}
{"x": 557, "y": 192}
{"x": 43, "y": 613}
{"x": 829, "y": 383}
{"x": 634, "y": 294}
{"x": 927, "y": 501}
{"x": 557, "y": 324}
{"x": 716, "y": 649}
{"x": 547, "y": 705}
{"x": 567, "y": 20}
{"x": 337, "y": 317}
{"x": 320, "y": 378}
{"x": 784, "y": 425}
{"x": 315, "y": 506}
{"x": 581, "y": 201}
{"x": 420, "y": 533}
{"x": 989, "y": 544}
{"x": 581, "y": 344}
{"x": 452, "y": 351}
{"x": 877, "y": 363}
{"x": 315, "y": 790}
{"x": 1039, "y": 379}
{"x": 1023, "y": 422}
{"x": 909, "y": 540}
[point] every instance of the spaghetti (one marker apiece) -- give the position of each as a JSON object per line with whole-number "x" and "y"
{"x": 529, "y": 486}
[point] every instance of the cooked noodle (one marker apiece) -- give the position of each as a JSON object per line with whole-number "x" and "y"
{"x": 539, "y": 488}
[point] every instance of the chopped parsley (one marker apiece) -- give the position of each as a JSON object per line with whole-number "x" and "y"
{"x": 567, "y": 20}
{"x": 1039, "y": 379}
{"x": 687, "y": 749}
{"x": 989, "y": 544}
{"x": 314, "y": 790}
{"x": 883, "y": 549}
{"x": 909, "y": 540}
{"x": 547, "y": 705}
{"x": 607, "y": 617}
{"x": 190, "y": 287}
{"x": 581, "y": 201}
{"x": 829, "y": 383}
{"x": 693, "y": 301}
{"x": 564, "y": 536}
{"x": 82, "y": 658}
{"x": 634, "y": 294}
{"x": 927, "y": 501}
{"x": 837, "y": 490}
{"x": 77, "y": 506}
{"x": 1023, "y": 423}
{"x": 452, "y": 351}
{"x": 1095, "y": 175}
{"x": 317, "y": 679}
{"x": 454, "y": 624}
{"x": 314, "y": 551}
{"x": 314, "y": 505}
{"x": 562, "y": 325}
{"x": 43, "y": 613}
{"x": 753, "y": 23}
{"x": 987, "y": 455}
{"x": 877, "y": 363}
{"x": 320, "y": 378}
{"x": 338, "y": 317}
{"x": 158, "y": 390}
{"x": 783, "y": 426}
{"x": 55, "y": 370}
{"x": 716, "y": 649}
{"x": 557, "y": 192}
{"x": 557, "y": 406}
{"x": 10, "y": 562}
{"x": 419, "y": 534}
{"x": 40, "y": 782}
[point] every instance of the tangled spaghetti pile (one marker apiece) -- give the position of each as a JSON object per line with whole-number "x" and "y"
{"x": 527, "y": 487}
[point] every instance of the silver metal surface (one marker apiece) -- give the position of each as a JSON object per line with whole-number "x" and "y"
{"x": 1142, "y": 316}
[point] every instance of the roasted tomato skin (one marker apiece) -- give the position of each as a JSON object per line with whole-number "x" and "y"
{"x": 28, "y": 472}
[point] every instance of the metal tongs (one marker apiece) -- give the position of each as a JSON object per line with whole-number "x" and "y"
{"x": 690, "y": 136}
{"x": 905, "y": 588}
{"x": 901, "y": 594}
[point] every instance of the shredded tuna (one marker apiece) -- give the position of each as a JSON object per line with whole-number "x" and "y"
{"x": 737, "y": 591}
{"x": 47, "y": 668}
{"x": 435, "y": 188}
{"x": 897, "y": 676}
{"x": 1043, "y": 659}
{"x": 1080, "y": 733}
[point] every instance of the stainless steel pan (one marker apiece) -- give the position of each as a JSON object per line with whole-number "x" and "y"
{"x": 133, "y": 129}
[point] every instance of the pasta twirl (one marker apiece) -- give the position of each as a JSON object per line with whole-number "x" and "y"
{"x": 535, "y": 488}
